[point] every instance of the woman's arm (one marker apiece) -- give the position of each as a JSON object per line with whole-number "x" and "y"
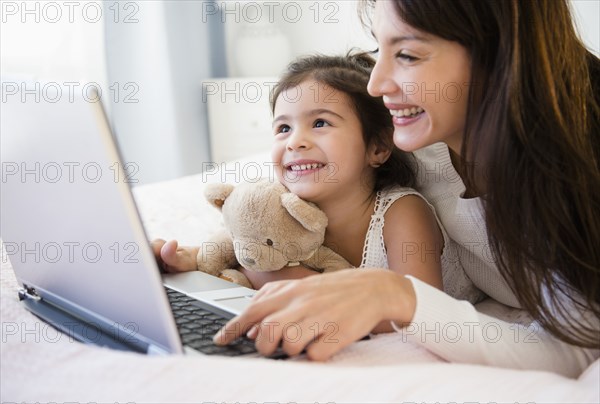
{"x": 457, "y": 332}
{"x": 332, "y": 310}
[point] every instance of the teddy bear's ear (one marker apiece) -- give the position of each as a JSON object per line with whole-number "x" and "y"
{"x": 217, "y": 193}
{"x": 309, "y": 216}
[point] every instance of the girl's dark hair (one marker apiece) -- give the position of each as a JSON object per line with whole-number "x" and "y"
{"x": 533, "y": 127}
{"x": 350, "y": 74}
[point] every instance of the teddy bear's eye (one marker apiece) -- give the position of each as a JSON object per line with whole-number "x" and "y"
{"x": 269, "y": 241}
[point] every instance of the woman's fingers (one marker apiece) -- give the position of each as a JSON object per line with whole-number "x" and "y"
{"x": 275, "y": 315}
{"x": 285, "y": 328}
{"x": 327, "y": 345}
{"x": 297, "y": 335}
{"x": 241, "y": 324}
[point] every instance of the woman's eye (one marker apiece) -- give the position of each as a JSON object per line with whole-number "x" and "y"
{"x": 319, "y": 123}
{"x": 406, "y": 57}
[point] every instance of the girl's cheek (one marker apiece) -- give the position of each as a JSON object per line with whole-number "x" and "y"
{"x": 276, "y": 170}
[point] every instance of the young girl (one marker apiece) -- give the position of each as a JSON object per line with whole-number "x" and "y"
{"x": 504, "y": 121}
{"x": 333, "y": 146}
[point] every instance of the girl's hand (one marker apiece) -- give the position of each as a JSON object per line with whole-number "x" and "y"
{"x": 322, "y": 314}
{"x": 172, "y": 258}
{"x": 259, "y": 279}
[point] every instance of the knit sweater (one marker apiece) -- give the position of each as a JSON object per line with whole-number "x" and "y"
{"x": 496, "y": 332}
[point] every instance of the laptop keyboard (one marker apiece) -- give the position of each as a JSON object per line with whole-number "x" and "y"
{"x": 197, "y": 326}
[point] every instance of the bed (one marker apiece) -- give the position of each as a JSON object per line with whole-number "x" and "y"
{"x": 40, "y": 365}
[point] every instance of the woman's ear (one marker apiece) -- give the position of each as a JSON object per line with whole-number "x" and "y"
{"x": 378, "y": 154}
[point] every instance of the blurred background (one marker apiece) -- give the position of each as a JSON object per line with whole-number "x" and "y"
{"x": 185, "y": 83}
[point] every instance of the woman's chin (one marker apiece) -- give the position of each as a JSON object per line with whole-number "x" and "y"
{"x": 409, "y": 141}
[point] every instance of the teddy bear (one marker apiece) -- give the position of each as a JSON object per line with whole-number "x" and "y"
{"x": 266, "y": 229}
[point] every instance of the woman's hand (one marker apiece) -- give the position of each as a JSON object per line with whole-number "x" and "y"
{"x": 172, "y": 258}
{"x": 322, "y": 313}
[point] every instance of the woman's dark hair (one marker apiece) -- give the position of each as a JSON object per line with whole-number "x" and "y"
{"x": 533, "y": 129}
{"x": 350, "y": 74}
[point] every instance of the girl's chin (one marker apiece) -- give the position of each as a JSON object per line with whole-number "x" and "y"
{"x": 306, "y": 193}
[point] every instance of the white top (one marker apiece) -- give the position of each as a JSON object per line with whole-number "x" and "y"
{"x": 456, "y": 283}
{"x": 454, "y": 329}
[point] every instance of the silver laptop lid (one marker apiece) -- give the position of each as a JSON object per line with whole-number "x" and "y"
{"x": 69, "y": 223}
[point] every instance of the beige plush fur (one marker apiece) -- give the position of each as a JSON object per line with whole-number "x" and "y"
{"x": 267, "y": 228}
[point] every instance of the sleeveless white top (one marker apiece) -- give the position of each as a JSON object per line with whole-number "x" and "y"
{"x": 456, "y": 283}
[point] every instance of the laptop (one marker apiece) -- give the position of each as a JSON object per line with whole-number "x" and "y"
{"x": 72, "y": 232}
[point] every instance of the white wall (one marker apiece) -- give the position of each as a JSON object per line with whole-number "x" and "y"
{"x": 44, "y": 41}
{"x": 329, "y": 27}
{"x": 587, "y": 20}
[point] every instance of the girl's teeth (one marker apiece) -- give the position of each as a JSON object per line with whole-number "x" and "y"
{"x": 409, "y": 112}
{"x": 302, "y": 167}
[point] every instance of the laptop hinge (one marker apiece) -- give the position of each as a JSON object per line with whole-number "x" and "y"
{"x": 156, "y": 350}
{"x": 28, "y": 292}
{"x": 76, "y": 328}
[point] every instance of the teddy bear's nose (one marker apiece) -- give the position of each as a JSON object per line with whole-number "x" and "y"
{"x": 249, "y": 261}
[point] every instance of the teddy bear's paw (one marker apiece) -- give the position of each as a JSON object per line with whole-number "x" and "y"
{"x": 227, "y": 278}
{"x": 234, "y": 276}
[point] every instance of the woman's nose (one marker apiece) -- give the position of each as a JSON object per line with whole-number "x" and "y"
{"x": 381, "y": 81}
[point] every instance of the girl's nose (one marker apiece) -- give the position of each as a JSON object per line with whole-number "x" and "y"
{"x": 381, "y": 81}
{"x": 298, "y": 140}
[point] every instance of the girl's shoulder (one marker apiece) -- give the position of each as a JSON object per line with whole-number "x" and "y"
{"x": 391, "y": 196}
{"x": 407, "y": 208}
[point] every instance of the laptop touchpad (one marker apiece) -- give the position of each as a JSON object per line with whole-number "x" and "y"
{"x": 190, "y": 282}
{"x": 234, "y": 304}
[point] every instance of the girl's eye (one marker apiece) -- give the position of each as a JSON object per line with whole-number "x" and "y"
{"x": 282, "y": 129}
{"x": 319, "y": 123}
{"x": 406, "y": 57}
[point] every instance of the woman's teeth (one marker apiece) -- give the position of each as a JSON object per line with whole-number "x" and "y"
{"x": 409, "y": 112}
{"x": 302, "y": 167}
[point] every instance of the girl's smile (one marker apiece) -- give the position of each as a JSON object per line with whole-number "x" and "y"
{"x": 303, "y": 167}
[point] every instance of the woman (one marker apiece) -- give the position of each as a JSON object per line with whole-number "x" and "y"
{"x": 499, "y": 100}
